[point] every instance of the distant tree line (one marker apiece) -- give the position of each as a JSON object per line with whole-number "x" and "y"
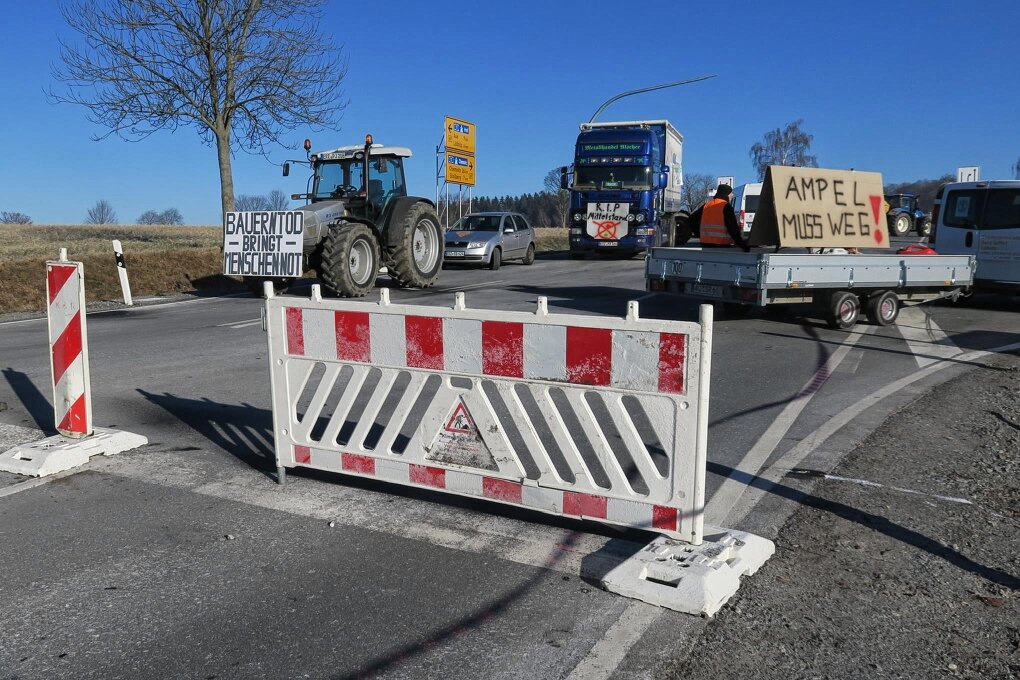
{"x": 168, "y": 216}
{"x": 9, "y": 217}
{"x": 274, "y": 200}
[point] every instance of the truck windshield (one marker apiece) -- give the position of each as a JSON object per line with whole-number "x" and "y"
{"x": 329, "y": 177}
{"x": 613, "y": 177}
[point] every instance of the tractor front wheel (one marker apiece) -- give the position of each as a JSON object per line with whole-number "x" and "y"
{"x": 350, "y": 260}
{"x": 901, "y": 225}
{"x": 415, "y": 256}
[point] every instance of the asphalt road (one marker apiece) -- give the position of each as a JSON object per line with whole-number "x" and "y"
{"x": 185, "y": 558}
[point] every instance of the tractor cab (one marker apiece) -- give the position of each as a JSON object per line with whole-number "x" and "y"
{"x": 366, "y": 190}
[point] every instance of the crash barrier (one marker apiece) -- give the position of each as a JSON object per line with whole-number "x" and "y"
{"x": 69, "y": 348}
{"x": 578, "y": 416}
{"x": 72, "y": 388}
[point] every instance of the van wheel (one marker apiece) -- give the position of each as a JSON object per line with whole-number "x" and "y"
{"x": 901, "y": 225}
{"x": 843, "y": 311}
{"x": 883, "y": 308}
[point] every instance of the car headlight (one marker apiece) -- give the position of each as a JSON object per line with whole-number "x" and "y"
{"x": 478, "y": 244}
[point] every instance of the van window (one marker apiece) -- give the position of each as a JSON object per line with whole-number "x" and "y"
{"x": 961, "y": 208}
{"x": 751, "y": 203}
{"x": 1002, "y": 209}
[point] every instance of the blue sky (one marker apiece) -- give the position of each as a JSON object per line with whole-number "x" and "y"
{"x": 909, "y": 89}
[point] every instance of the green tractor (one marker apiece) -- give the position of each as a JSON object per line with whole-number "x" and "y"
{"x": 359, "y": 216}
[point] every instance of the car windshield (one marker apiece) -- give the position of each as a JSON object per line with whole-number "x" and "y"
{"x": 477, "y": 223}
{"x": 613, "y": 177}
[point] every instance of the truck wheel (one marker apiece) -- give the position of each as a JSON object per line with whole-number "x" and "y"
{"x": 529, "y": 257}
{"x": 882, "y": 309}
{"x": 844, "y": 308}
{"x": 415, "y": 256}
{"x": 496, "y": 259}
{"x": 901, "y": 225}
{"x": 924, "y": 227}
{"x": 350, "y": 260}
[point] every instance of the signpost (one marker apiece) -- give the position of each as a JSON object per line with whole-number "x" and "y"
{"x": 728, "y": 181}
{"x": 455, "y": 164}
{"x": 818, "y": 208}
{"x": 263, "y": 243}
{"x": 460, "y": 135}
{"x": 969, "y": 173}
{"x": 460, "y": 169}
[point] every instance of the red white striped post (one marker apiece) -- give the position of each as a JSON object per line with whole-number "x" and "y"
{"x": 69, "y": 351}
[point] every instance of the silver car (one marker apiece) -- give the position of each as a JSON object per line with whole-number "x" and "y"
{"x": 490, "y": 238}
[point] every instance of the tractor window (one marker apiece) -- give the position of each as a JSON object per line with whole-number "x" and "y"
{"x": 331, "y": 176}
{"x": 386, "y": 180}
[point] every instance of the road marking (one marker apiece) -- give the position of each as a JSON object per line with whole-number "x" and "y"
{"x": 926, "y": 340}
{"x": 727, "y": 495}
{"x": 91, "y": 312}
{"x": 240, "y": 324}
{"x": 457, "y": 289}
{"x": 768, "y": 478}
{"x": 607, "y": 653}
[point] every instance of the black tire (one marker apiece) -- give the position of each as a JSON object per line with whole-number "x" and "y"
{"x": 529, "y": 257}
{"x": 350, "y": 260}
{"x": 682, "y": 232}
{"x": 924, "y": 227}
{"x": 496, "y": 259}
{"x": 843, "y": 310}
{"x": 900, "y": 225}
{"x": 577, "y": 255}
{"x": 882, "y": 308}
{"x": 414, "y": 255}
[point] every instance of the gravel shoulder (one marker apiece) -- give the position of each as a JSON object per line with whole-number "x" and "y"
{"x": 903, "y": 562}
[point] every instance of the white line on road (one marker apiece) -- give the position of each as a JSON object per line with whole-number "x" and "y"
{"x": 926, "y": 340}
{"x": 605, "y": 656}
{"x": 240, "y": 324}
{"x": 732, "y": 488}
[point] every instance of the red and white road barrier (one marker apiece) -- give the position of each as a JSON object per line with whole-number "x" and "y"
{"x": 69, "y": 349}
{"x": 72, "y": 390}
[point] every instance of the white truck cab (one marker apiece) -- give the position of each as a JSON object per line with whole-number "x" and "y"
{"x": 981, "y": 219}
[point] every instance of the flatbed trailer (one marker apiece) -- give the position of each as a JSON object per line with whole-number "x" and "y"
{"x": 841, "y": 285}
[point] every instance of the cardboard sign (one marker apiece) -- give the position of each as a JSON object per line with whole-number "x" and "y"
{"x": 607, "y": 221}
{"x": 263, "y": 243}
{"x": 820, "y": 208}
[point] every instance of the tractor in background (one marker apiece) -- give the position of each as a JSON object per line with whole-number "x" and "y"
{"x": 904, "y": 216}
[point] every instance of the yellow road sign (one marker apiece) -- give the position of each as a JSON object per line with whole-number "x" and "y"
{"x": 460, "y": 169}
{"x": 460, "y": 135}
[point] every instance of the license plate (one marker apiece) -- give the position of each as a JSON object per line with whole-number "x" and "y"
{"x": 706, "y": 290}
{"x": 610, "y": 244}
{"x": 455, "y": 254}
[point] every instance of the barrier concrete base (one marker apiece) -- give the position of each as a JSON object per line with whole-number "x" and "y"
{"x": 694, "y": 579}
{"x": 58, "y": 453}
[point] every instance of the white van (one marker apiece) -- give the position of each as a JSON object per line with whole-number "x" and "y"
{"x": 981, "y": 219}
{"x": 745, "y": 204}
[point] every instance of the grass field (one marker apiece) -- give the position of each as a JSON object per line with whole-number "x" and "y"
{"x": 160, "y": 260}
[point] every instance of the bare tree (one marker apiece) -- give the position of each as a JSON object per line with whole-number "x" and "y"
{"x": 551, "y": 184}
{"x": 101, "y": 213}
{"x": 242, "y": 72}
{"x": 251, "y": 202}
{"x": 8, "y": 217}
{"x": 788, "y": 146}
{"x": 278, "y": 200}
{"x": 168, "y": 216}
{"x": 695, "y": 190}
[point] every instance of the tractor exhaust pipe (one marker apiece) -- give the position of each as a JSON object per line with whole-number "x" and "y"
{"x": 364, "y": 167}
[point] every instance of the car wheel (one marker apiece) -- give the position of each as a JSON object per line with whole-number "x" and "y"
{"x": 529, "y": 257}
{"x": 496, "y": 259}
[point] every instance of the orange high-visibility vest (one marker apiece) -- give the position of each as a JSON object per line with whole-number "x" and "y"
{"x": 713, "y": 224}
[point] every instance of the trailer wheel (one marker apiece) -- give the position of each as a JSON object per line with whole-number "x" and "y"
{"x": 414, "y": 255}
{"x": 844, "y": 308}
{"x": 883, "y": 308}
{"x": 901, "y": 225}
{"x": 350, "y": 260}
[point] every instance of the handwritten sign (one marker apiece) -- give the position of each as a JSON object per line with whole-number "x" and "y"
{"x": 820, "y": 208}
{"x": 607, "y": 221}
{"x": 263, "y": 243}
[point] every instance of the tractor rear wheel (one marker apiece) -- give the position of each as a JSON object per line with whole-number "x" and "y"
{"x": 900, "y": 225}
{"x": 350, "y": 260}
{"x": 414, "y": 255}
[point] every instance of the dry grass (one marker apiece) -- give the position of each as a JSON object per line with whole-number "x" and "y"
{"x": 160, "y": 260}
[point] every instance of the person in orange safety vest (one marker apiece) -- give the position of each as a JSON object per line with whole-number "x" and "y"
{"x": 716, "y": 224}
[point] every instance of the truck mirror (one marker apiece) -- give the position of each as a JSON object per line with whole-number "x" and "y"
{"x": 663, "y": 180}
{"x": 563, "y": 177}
{"x": 286, "y": 169}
